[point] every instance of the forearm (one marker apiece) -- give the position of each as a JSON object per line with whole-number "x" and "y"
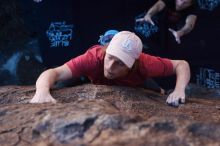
{"x": 46, "y": 80}
{"x": 157, "y": 7}
{"x": 187, "y": 28}
{"x": 189, "y": 25}
{"x": 183, "y": 75}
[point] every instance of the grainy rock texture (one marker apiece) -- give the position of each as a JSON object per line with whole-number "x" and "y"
{"x": 91, "y": 115}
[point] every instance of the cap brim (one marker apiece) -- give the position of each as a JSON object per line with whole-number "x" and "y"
{"x": 124, "y": 57}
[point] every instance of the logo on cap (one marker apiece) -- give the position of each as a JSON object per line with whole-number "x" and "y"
{"x": 127, "y": 45}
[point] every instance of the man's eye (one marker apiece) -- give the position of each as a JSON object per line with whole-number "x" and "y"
{"x": 120, "y": 63}
{"x": 109, "y": 57}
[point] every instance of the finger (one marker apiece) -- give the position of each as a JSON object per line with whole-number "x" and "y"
{"x": 31, "y": 101}
{"x": 54, "y": 101}
{"x": 140, "y": 20}
{"x": 182, "y": 100}
{"x": 178, "y": 40}
{"x": 169, "y": 99}
{"x": 151, "y": 22}
{"x": 171, "y": 30}
{"x": 175, "y": 103}
{"x": 170, "y": 102}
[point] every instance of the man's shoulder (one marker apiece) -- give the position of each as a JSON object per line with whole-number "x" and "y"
{"x": 145, "y": 59}
{"x": 97, "y": 51}
{"x": 148, "y": 59}
{"x": 95, "y": 47}
{"x": 144, "y": 56}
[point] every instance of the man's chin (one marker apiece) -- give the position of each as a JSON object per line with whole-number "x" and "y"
{"x": 109, "y": 77}
{"x": 180, "y": 8}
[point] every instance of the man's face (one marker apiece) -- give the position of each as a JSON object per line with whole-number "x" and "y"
{"x": 113, "y": 67}
{"x": 183, "y": 4}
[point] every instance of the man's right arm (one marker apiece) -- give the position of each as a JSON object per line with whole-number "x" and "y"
{"x": 46, "y": 81}
{"x": 157, "y": 7}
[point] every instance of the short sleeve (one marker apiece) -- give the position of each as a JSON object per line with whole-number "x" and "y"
{"x": 84, "y": 64}
{"x": 151, "y": 66}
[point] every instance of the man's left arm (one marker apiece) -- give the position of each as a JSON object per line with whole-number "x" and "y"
{"x": 187, "y": 28}
{"x": 182, "y": 70}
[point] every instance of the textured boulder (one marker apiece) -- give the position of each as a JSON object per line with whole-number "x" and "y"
{"x": 91, "y": 115}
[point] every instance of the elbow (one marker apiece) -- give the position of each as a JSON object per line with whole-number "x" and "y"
{"x": 181, "y": 66}
{"x": 185, "y": 63}
{"x": 48, "y": 74}
{"x": 191, "y": 26}
{"x": 182, "y": 69}
{"x": 160, "y": 5}
{"x": 185, "y": 67}
{"x": 51, "y": 72}
{"x": 191, "y": 21}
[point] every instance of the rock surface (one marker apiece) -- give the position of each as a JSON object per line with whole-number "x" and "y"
{"x": 91, "y": 115}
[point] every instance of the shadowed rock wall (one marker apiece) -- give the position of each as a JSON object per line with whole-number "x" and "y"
{"x": 91, "y": 115}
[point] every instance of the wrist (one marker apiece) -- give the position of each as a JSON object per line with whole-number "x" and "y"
{"x": 179, "y": 89}
{"x": 42, "y": 90}
{"x": 148, "y": 14}
{"x": 180, "y": 33}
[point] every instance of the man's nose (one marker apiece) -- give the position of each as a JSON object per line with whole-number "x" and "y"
{"x": 182, "y": 1}
{"x": 110, "y": 64}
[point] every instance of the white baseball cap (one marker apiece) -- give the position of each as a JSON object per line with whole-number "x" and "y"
{"x": 126, "y": 46}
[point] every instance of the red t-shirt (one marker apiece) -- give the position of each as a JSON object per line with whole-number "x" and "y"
{"x": 91, "y": 65}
